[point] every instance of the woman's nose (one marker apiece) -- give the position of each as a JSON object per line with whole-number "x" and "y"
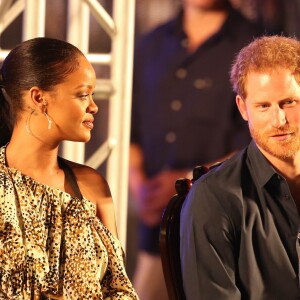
{"x": 93, "y": 108}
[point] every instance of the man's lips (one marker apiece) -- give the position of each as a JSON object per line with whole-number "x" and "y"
{"x": 281, "y": 136}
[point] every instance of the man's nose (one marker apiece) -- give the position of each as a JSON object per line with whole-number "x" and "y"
{"x": 278, "y": 117}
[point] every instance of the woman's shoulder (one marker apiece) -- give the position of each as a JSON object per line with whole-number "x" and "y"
{"x": 89, "y": 180}
{"x": 94, "y": 187}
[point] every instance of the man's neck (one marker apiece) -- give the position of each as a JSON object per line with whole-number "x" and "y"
{"x": 199, "y": 24}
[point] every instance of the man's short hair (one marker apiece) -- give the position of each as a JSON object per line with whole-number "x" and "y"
{"x": 265, "y": 54}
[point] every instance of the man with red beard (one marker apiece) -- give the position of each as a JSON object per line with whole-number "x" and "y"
{"x": 240, "y": 222}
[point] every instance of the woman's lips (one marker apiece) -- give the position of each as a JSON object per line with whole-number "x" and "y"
{"x": 89, "y": 124}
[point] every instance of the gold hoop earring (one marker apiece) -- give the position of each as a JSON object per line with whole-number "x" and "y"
{"x": 45, "y": 103}
{"x": 27, "y": 125}
{"x": 48, "y": 119}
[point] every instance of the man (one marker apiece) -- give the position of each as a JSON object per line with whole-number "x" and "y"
{"x": 240, "y": 222}
{"x": 183, "y": 114}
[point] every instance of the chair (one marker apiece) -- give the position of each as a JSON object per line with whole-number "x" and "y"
{"x": 169, "y": 239}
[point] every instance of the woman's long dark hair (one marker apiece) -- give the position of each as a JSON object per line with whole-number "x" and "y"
{"x": 42, "y": 62}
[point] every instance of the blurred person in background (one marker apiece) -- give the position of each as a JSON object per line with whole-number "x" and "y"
{"x": 183, "y": 114}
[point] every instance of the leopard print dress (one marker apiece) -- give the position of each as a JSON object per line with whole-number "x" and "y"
{"x": 52, "y": 245}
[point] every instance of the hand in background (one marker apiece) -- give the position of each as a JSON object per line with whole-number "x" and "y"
{"x": 155, "y": 193}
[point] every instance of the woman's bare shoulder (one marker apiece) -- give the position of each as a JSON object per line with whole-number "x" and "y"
{"x": 94, "y": 188}
{"x": 89, "y": 180}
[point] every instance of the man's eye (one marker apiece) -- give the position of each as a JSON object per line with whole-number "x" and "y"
{"x": 290, "y": 102}
{"x": 262, "y": 106}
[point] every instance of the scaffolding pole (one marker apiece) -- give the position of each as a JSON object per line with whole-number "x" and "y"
{"x": 120, "y": 109}
{"x": 120, "y": 28}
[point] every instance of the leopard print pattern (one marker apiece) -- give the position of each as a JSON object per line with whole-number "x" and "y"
{"x": 52, "y": 245}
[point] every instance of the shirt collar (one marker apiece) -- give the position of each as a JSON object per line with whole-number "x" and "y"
{"x": 175, "y": 26}
{"x": 258, "y": 164}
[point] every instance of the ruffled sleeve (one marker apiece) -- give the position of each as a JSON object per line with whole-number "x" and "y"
{"x": 115, "y": 283}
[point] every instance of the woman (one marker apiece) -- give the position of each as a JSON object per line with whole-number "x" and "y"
{"x": 52, "y": 242}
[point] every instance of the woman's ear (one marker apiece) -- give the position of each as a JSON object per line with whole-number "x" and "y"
{"x": 241, "y": 104}
{"x": 36, "y": 97}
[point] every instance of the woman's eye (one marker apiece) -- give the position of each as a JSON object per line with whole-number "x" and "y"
{"x": 84, "y": 96}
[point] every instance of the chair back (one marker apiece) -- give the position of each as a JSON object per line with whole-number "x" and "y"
{"x": 169, "y": 239}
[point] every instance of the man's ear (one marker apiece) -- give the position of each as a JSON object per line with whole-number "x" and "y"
{"x": 242, "y": 107}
